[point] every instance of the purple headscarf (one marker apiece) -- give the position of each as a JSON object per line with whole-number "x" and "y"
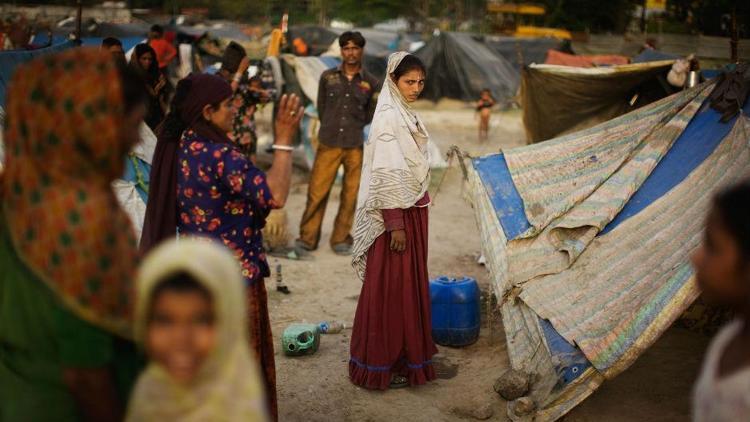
{"x": 192, "y": 95}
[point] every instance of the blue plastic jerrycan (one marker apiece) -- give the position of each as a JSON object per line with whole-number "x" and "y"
{"x": 455, "y": 311}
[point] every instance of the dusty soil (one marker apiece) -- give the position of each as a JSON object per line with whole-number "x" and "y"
{"x": 316, "y": 388}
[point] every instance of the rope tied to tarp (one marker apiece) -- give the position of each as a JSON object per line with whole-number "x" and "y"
{"x": 454, "y": 152}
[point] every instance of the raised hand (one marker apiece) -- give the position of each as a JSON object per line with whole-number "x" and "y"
{"x": 287, "y": 119}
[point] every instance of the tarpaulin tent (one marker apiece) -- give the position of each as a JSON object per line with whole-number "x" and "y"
{"x": 587, "y": 238}
{"x": 562, "y": 99}
{"x": 461, "y": 65}
{"x": 9, "y": 60}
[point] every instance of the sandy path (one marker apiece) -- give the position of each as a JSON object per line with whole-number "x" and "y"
{"x": 316, "y": 388}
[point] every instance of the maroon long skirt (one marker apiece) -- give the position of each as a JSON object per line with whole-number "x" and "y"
{"x": 261, "y": 341}
{"x": 392, "y": 326}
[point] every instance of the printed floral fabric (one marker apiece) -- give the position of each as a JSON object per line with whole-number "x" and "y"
{"x": 243, "y": 128}
{"x": 220, "y": 194}
{"x": 63, "y": 149}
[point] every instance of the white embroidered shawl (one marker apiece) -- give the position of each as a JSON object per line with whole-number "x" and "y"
{"x": 395, "y": 169}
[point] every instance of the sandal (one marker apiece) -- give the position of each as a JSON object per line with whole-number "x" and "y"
{"x": 397, "y": 381}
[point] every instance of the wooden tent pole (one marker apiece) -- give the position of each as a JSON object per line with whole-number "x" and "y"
{"x": 79, "y": 17}
{"x": 734, "y": 40}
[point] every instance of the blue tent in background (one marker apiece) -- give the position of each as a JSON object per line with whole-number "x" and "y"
{"x": 128, "y": 43}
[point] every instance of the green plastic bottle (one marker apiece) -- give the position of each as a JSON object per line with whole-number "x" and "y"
{"x": 300, "y": 339}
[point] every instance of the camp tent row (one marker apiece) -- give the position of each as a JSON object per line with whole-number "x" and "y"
{"x": 461, "y": 65}
{"x": 587, "y": 238}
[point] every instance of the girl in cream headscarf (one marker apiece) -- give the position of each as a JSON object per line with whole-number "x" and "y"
{"x": 392, "y": 341}
{"x": 190, "y": 318}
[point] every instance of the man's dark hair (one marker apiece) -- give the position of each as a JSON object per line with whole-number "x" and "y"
{"x": 408, "y": 63}
{"x": 111, "y": 42}
{"x": 157, "y": 29}
{"x": 233, "y": 55}
{"x": 354, "y": 37}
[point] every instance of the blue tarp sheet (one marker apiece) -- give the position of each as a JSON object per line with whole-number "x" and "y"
{"x": 9, "y": 60}
{"x": 653, "y": 56}
{"x": 691, "y": 148}
{"x": 127, "y": 43}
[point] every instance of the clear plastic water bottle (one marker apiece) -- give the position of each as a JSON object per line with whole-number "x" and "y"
{"x": 331, "y": 327}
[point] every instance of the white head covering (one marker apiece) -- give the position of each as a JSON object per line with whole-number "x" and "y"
{"x": 228, "y": 386}
{"x": 396, "y": 165}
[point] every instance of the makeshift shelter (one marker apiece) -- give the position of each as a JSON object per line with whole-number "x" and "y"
{"x": 587, "y": 238}
{"x": 461, "y": 65}
{"x": 562, "y": 99}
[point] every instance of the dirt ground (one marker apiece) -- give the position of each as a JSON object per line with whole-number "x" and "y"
{"x": 316, "y": 388}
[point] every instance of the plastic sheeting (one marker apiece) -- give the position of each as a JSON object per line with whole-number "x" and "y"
{"x": 561, "y": 99}
{"x": 630, "y": 283}
{"x": 461, "y": 65}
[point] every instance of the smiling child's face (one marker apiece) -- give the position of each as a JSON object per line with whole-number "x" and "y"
{"x": 181, "y": 332}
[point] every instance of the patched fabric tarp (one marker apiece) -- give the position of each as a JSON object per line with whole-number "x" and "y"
{"x": 561, "y": 99}
{"x": 9, "y": 60}
{"x": 461, "y": 65}
{"x": 565, "y": 59}
{"x": 618, "y": 209}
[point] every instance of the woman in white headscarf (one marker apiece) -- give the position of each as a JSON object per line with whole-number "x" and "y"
{"x": 392, "y": 343}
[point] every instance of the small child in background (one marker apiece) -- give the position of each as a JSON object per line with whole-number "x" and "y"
{"x": 484, "y": 108}
{"x": 722, "y": 264}
{"x": 190, "y": 318}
